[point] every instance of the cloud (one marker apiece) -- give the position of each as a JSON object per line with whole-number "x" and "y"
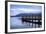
{"x": 26, "y": 10}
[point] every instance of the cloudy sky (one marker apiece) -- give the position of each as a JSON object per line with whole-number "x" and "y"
{"x": 17, "y": 9}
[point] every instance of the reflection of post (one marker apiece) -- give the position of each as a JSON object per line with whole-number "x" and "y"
{"x": 32, "y": 19}
{"x": 29, "y": 20}
{"x": 39, "y": 23}
{"x": 35, "y": 21}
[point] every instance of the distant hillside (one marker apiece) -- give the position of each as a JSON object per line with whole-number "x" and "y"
{"x": 26, "y": 14}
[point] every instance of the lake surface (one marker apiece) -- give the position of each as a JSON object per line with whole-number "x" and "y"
{"x": 16, "y": 23}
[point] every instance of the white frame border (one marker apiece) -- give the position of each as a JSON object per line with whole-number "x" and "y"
{"x": 29, "y": 29}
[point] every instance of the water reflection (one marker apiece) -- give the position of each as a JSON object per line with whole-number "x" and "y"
{"x": 19, "y": 22}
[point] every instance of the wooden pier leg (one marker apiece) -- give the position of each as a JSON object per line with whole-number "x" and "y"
{"x": 29, "y": 24}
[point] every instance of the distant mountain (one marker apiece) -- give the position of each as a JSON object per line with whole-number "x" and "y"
{"x": 26, "y": 14}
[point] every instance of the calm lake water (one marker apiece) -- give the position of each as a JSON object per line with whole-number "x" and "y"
{"x": 16, "y": 23}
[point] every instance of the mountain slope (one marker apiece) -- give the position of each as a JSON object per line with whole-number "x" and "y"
{"x": 26, "y": 14}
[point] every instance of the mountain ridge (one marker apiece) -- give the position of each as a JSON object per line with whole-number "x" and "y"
{"x": 26, "y": 14}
